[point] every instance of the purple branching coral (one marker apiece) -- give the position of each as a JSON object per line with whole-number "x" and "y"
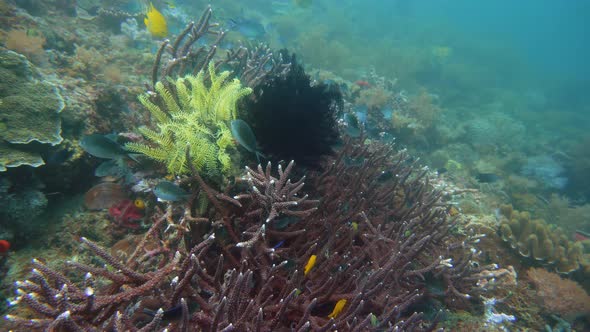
{"x": 268, "y": 258}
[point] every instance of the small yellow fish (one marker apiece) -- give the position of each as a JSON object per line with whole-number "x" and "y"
{"x": 310, "y": 264}
{"x": 155, "y": 22}
{"x": 139, "y": 203}
{"x": 337, "y": 308}
{"x": 442, "y": 52}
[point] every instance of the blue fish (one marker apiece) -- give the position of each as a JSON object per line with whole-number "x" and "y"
{"x": 361, "y": 113}
{"x": 353, "y": 127}
{"x": 245, "y": 136}
{"x": 170, "y": 192}
{"x": 103, "y": 146}
{"x": 249, "y": 28}
{"x": 387, "y": 112}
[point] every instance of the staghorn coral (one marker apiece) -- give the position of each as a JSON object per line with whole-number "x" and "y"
{"x": 180, "y": 56}
{"x": 559, "y": 296}
{"x": 233, "y": 280}
{"x": 545, "y": 243}
{"x": 193, "y": 115}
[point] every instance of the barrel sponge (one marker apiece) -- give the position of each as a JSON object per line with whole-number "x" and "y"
{"x": 30, "y": 108}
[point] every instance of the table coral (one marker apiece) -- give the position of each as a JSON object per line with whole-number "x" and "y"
{"x": 30, "y": 110}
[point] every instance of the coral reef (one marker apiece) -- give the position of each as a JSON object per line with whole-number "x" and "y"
{"x": 193, "y": 115}
{"x": 542, "y": 242}
{"x": 269, "y": 258}
{"x": 559, "y": 296}
{"x": 30, "y": 109}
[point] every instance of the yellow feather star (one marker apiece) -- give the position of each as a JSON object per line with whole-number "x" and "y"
{"x": 194, "y": 116}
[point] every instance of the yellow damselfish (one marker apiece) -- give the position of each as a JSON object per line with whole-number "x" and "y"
{"x": 337, "y": 308}
{"x": 139, "y": 203}
{"x": 310, "y": 264}
{"x": 155, "y": 22}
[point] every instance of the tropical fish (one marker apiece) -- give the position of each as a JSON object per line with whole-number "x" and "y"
{"x": 441, "y": 52}
{"x": 249, "y": 28}
{"x": 170, "y": 192}
{"x": 303, "y": 3}
{"x": 337, "y": 308}
{"x": 363, "y": 83}
{"x": 57, "y": 156}
{"x": 310, "y": 264}
{"x": 171, "y": 313}
{"x": 353, "y": 127}
{"x": 102, "y": 147}
{"x": 245, "y": 136}
{"x": 487, "y": 177}
{"x": 139, "y": 203}
{"x": 361, "y": 112}
{"x": 109, "y": 168}
{"x": 387, "y": 112}
{"x": 155, "y": 22}
{"x": 170, "y": 4}
{"x": 581, "y": 236}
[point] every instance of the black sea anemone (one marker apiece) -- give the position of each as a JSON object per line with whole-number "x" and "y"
{"x": 292, "y": 119}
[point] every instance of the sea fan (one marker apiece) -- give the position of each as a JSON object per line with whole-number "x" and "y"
{"x": 292, "y": 119}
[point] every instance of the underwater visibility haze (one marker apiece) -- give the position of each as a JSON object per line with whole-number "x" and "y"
{"x": 294, "y": 165}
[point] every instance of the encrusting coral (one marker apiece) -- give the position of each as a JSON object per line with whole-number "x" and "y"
{"x": 193, "y": 115}
{"x": 540, "y": 241}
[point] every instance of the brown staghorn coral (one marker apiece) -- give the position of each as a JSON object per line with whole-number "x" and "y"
{"x": 559, "y": 296}
{"x": 536, "y": 239}
{"x": 272, "y": 259}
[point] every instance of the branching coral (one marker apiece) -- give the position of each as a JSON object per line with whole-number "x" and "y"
{"x": 270, "y": 260}
{"x": 193, "y": 115}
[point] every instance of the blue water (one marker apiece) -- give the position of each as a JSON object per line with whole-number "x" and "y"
{"x": 491, "y": 96}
